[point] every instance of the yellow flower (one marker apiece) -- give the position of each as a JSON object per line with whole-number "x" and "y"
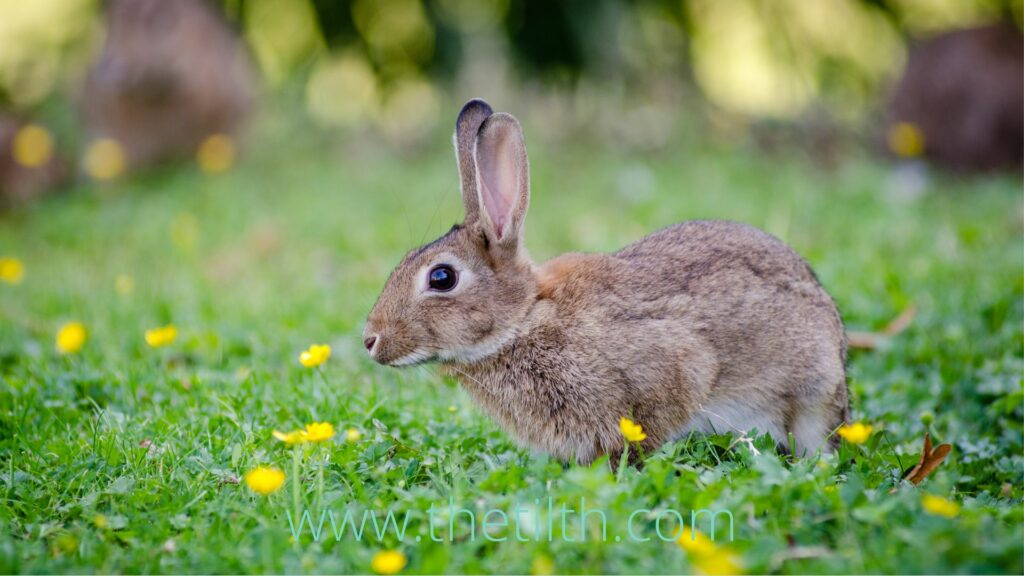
{"x": 162, "y": 336}
{"x": 353, "y": 435}
{"x": 631, "y": 430}
{"x": 71, "y": 337}
{"x": 542, "y": 565}
{"x": 216, "y": 154}
{"x": 315, "y": 356}
{"x": 314, "y": 432}
{"x": 718, "y": 563}
{"x": 705, "y": 555}
{"x": 388, "y": 562}
{"x": 100, "y": 521}
{"x": 263, "y": 480}
{"x": 906, "y": 140}
{"x": 695, "y": 542}
{"x": 939, "y": 506}
{"x": 856, "y": 433}
{"x": 33, "y": 146}
{"x": 104, "y": 159}
{"x": 319, "y": 431}
{"x": 12, "y": 271}
{"x": 293, "y": 437}
{"x": 124, "y": 284}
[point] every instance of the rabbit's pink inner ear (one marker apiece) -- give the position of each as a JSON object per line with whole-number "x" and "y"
{"x": 497, "y": 160}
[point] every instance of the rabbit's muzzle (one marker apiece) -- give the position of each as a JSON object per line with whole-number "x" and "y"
{"x": 387, "y": 348}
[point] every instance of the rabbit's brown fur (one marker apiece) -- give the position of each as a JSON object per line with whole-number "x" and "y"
{"x": 702, "y": 326}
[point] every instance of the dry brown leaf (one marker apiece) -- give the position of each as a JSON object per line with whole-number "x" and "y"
{"x": 901, "y": 322}
{"x": 930, "y": 460}
{"x": 873, "y": 340}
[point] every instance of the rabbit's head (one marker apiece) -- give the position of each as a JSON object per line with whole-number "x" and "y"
{"x": 462, "y": 297}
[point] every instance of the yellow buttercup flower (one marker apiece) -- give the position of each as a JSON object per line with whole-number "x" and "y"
{"x": 388, "y": 562}
{"x": 542, "y": 566}
{"x": 71, "y": 337}
{"x": 263, "y": 480}
{"x": 216, "y": 154}
{"x": 293, "y": 437}
{"x": 695, "y": 542}
{"x": 856, "y": 433}
{"x": 162, "y": 336}
{"x": 12, "y": 271}
{"x": 319, "y": 431}
{"x": 314, "y": 432}
{"x": 705, "y": 555}
{"x": 906, "y": 140}
{"x": 631, "y": 430}
{"x": 353, "y": 435}
{"x": 105, "y": 159}
{"x": 939, "y": 506}
{"x": 315, "y": 356}
{"x": 32, "y": 146}
{"x": 720, "y": 562}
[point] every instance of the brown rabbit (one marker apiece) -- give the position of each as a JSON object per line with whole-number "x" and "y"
{"x": 964, "y": 91}
{"x": 171, "y": 73}
{"x": 702, "y": 326}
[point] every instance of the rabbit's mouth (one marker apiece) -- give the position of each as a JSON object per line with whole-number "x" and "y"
{"x": 388, "y": 356}
{"x": 412, "y": 358}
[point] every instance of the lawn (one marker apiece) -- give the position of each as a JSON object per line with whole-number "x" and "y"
{"x": 129, "y": 458}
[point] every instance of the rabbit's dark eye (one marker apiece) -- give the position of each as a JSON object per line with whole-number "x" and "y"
{"x": 442, "y": 278}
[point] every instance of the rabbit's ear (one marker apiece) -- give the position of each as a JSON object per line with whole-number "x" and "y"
{"x": 468, "y": 124}
{"x": 504, "y": 178}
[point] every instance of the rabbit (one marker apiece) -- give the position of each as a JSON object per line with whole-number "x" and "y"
{"x": 171, "y": 73}
{"x": 963, "y": 90}
{"x": 704, "y": 326}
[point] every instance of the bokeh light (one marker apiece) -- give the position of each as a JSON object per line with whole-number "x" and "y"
{"x": 216, "y": 154}
{"x": 396, "y": 31}
{"x": 410, "y": 111}
{"x": 105, "y": 159}
{"x": 283, "y": 35}
{"x": 342, "y": 91}
{"x": 906, "y": 140}
{"x": 33, "y": 146}
{"x": 37, "y": 38}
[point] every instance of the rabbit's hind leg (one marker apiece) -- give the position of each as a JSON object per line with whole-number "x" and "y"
{"x": 810, "y": 428}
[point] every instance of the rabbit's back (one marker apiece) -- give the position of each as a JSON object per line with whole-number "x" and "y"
{"x": 775, "y": 334}
{"x": 703, "y": 326}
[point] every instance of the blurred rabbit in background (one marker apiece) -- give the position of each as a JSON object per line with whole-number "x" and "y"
{"x": 171, "y": 74}
{"x": 959, "y": 101}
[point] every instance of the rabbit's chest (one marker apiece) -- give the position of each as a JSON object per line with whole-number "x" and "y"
{"x": 547, "y": 402}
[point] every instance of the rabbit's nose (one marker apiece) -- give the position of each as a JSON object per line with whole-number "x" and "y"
{"x": 369, "y": 342}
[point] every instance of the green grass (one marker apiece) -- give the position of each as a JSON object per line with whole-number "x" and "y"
{"x": 124, "y": 458}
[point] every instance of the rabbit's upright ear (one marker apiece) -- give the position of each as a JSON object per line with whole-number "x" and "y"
{"x": 467, "y": 126}
{"x": 504, "y": 178}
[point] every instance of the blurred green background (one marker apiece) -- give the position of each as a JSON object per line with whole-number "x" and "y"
{"x": 396, "y": 66}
